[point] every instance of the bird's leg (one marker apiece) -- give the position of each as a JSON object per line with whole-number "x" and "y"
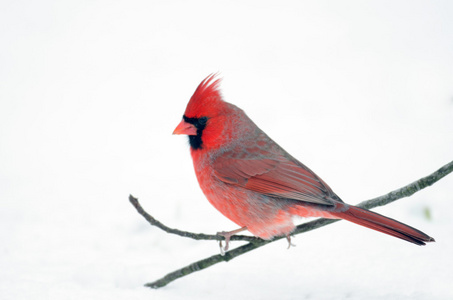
{"x": 227, "y": 235}
{"x": 288, "y": 237}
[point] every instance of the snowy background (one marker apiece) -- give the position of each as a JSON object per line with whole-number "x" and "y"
{"x": 90, "y": 92}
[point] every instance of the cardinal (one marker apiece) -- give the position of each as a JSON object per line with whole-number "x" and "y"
{"x": 254, "y": 182}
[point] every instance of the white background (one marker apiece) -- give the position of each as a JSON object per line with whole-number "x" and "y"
{"x": 90, "y": 92}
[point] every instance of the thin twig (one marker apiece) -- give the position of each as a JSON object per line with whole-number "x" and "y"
{"x": 196, "y": 236}
{"x": 254, "y": 242}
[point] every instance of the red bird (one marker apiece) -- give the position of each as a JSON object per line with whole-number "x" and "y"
{"x": 254, "y": 182}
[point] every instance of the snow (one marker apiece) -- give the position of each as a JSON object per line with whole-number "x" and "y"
{"x": 90, "y": 92}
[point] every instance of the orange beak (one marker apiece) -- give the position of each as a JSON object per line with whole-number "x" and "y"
{"x": 185, "y": 128}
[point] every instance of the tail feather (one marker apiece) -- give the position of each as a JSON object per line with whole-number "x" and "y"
{"x": 383, "y": 224}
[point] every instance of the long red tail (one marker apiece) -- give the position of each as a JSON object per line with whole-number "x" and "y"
{"x": 383, "y": 224}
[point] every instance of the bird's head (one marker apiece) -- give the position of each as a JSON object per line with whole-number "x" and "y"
{"x": 207, "y": 119}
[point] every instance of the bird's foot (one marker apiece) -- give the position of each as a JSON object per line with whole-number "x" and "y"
{"x": 227, "y": 235}
{"x": 288, "y": 237}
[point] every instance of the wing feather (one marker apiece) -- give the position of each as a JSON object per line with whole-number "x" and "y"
{"x": 278, "y": 176}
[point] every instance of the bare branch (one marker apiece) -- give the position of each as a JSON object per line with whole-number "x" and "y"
{"x": 255, "y": 242}
{"x": 192, "y": 235}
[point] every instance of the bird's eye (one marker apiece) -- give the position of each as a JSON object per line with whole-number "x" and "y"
{"x": 202, "y": 121}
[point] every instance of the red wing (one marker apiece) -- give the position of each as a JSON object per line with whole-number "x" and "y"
{"x": 280, "y": 177}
